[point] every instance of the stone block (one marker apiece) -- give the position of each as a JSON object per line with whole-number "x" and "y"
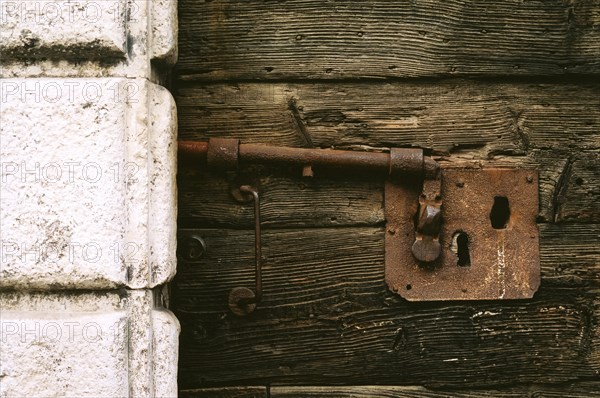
{"x": 91, "y": 38}
{"x": 88, "y": 194}
{"x": 100, "y": 344}
{"x": 63, "y": 30}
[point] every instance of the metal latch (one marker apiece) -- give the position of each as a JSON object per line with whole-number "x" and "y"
{"x": 488, "y": 236}
{"x": 451, "y": 234}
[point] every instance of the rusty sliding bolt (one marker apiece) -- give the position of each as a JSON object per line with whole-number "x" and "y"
{"x": 243, "y": 301}
{"x": 228, "y": 153}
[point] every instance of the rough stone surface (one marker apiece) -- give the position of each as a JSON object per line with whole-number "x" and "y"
{"x": 164, "y": 31}
{"x": 64, "y": 345}
{"x": 87, "y": 198}
{"x": 166, "y": 330}
{"x": 84, "y": 163}
{"x": 63, "y": 30}
{"x": 162, "y": 185}
{"x": 86, "y": 345}
{"x": 87, "y": 39}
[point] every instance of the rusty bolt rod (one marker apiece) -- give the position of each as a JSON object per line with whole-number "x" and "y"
{"x": 193, "y": 149}
{"x": 266, "y": 154}
{"x": 263, "y": 154}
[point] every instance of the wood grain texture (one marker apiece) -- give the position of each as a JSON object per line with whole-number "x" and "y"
{"x": 566, "y": 390}
{"x": 541, "y": 126}
{"x": 569, "y": 190}
{"x": 319, "y": 264}
{"x": 482, "y": 120}
{"x": 576, "y": 390}
{"x": 570, "y": 253}
{"x": 327, "y": 316}
{"x": 546, "y": 340}
{"x": 312, "y": 39}
{"x": 577, "y": 199}
{"x": 206, "y": 201}
{"x": 225, "y": 392}
{"x": 320, "y": 261}
{"x": 340, "y": 74}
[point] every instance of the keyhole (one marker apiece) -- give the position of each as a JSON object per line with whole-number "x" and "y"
{"x": 500, "y": 212}
{"x": 462, "y": 250}
{"x": 460, "y": 247}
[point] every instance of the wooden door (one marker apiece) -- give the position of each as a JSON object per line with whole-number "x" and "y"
{"x": 510, "y": 82}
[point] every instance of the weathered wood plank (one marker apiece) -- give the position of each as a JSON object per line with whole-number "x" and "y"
{"x": 205, "y": 200}
{"x": 569, "y": 193}
{"x": 225, "y": 392}
{"x": 328, "y": 317}
{"x": 483, "y": 119}
{"x": 545, "y": 340}
{"x": 578, "y": 198}
{"x": 317, "y": 265}
{"x": 566, "y": 390}
{"x": 315, "y": 39}
{"x": 575, "y": 390}
{"x": 323, "y": 263}
{"x": 570, "y": 253}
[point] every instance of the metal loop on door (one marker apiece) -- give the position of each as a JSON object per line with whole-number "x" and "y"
{"x": 243, "y": 301}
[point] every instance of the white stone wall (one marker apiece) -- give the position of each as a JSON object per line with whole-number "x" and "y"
{"x": 87, "y": 198}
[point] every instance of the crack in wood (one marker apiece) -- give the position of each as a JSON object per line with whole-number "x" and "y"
{"x": 560, "y": 190}
{"x": 298, "y": 123}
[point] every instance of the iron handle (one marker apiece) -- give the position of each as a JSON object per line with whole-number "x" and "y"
{"x": 243, "y": 301}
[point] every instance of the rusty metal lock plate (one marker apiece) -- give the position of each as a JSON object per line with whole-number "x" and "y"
{"x": 489, "y": 237}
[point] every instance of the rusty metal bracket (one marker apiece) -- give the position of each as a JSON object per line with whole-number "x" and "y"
{"x": 489, "y": 239}
{"x": 426, "y": 247}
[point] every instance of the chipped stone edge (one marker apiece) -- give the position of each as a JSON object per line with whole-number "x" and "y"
{"x": 153, "y": 347}
{"x": 151, "y": 45}
{"x": 165, "y": 342}
{"x": 112, "y": 47}
{"x": 164, "y": 31}
{"x": 153, "y": 333}
{"x": 162, "y": 217}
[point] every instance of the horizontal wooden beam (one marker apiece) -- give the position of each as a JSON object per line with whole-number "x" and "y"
{"x": 327, "y": 316}
{"x": 573, "y": 390}
{"x": 312, "y": 39}
{"x": 584, "y": 389}
{"x": 225, "y": 392}
{"x": 483, "y": 120}
{"x": 569, "y": 193}
{"x": 546, "y": 340}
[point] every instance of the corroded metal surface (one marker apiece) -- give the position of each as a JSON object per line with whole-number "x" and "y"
{"x": 426, "y": 247}
{"x": 498, "y": 263}
{"x": 406, "y": 159}
{"x": 222, "y": 153}
{"x": 242, "y": 301}
{"x": 226, "y": 153}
